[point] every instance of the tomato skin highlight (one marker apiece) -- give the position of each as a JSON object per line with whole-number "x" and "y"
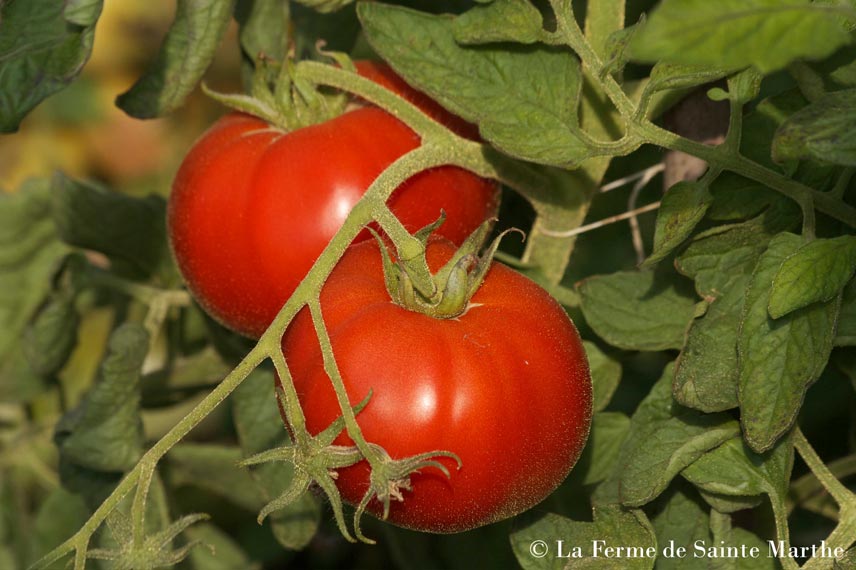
{"x": 252, "y": 207}
{"x": 506, "y": 386}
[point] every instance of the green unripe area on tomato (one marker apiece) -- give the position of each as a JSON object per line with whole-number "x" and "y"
{"x": 252, "y": 207}
{"x": 505, "y": 386}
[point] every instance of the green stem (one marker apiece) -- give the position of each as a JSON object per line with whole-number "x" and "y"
{"x": 568, "y": 28}
{"x": 332, "y": 369}
{"x": 839, "y": 492}
{"x": 139, "y": 291}
{"x": 366, "y": 89}
{"x": 842, "y": 183}
{"x": 739, "y": 164}
{"x": 80, "y": 540}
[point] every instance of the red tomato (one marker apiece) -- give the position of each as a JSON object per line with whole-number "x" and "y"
{"x": 252, "y": 207}
{"x": 505, "y": 386}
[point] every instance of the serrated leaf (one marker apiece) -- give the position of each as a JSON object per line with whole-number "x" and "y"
{"x": 682, "y": 208}
{"x": 499, "y": 21}
{"x": 259, "y": 428}
{"x": 43, "y": 47}
{"x": 524, "y": 100}
{"x": 679, "y": 523}
{"x": 612, "y": 526}
{"x": 105, "y": 433}
{"x": 30, "y": 254}
{"x": 605, "y": 375}
{"x": 733, "y": 469}
{"x": 824, "y": 130}
{"x": 664, "y": 438}
{"x": 739, "y": 33}
{"x": 816, "y": 272}
{"x": 51, "y": 337}
{"x": 186, "y": 53}
{"x": 130, "y": 231}
{"x": 636, "y": 310}
{"x": 721, "y": 264}
{"x": 778, "y": 360}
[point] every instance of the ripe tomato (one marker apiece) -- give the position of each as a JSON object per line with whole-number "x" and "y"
{"x": 505, "y": 386}
{"x": 252, "y": 207}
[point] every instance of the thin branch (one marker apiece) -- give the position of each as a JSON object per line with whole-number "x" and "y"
{"x": 647, "y": 173}
{"x": 603, "y": 222}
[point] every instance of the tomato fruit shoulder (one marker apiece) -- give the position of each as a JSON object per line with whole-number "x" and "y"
{"x": 505, "y": 386}
{"x": 252, "y": 206}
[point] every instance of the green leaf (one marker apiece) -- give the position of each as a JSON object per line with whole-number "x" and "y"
{"x": 605, "y": 375}
{"x": 664, "y": 439}
{"x": 846, "y": 562}
{"x": 224, "y": 554}
{"x": 259, "y": 428}
{"x": 668, "y": 76}
{"x": 105, "y": 432}
{"x": 608, "y": 430}
{"x": 721, "y": 264}
{"x": 524, "y": 100}
{"x": 739, "y": 33}
{"x": 51, "y": 337}
{"x": 186, "y": 52}
{"x": 730, "y": 503}
{"x": 739, "y": 198}
{"x": 779, "y": 359}
{"x": 732, "y": 469}
{"x": 43, "y": 46}
{"x": 604, "y": 20}
{"x": 59, "y": 516}
{"x": 569, "y": 544}
{"x": 499, "y": 21}
{"x": 214, "y": 468}
{"x": 679, "y": 523}
{"x": 846, "y": 331}
{"x": 30, "y": 255}
{"x": 682, "y": 208}
{"x": 130, "y": 231}
{"x": 636, "y": 310}
{"x": 816, "y": 272}
{"x": 82, "y": 12}
{"x": 824, "y": 130}
{"x": 264, "y": 28}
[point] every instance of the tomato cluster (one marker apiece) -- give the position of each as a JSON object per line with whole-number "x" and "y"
{"x": 252, "y": 207}
{"x": 505, "y": 386}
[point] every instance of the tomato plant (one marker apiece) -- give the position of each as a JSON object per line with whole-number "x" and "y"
{"x": 505, "y": 386}
{"x": 683, "y": 171}
{"x": 247, "y": 187}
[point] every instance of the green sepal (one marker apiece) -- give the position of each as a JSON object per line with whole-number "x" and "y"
{"x": 452, "y": 286}
{"x": 279, "y": 96}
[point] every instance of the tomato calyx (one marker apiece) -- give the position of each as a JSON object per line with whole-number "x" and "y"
{"x": 281, "y": 97}
{"x": 389, "y": 477}
{"x": 451, "y": 288}
{"x": 315, "y": 460}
